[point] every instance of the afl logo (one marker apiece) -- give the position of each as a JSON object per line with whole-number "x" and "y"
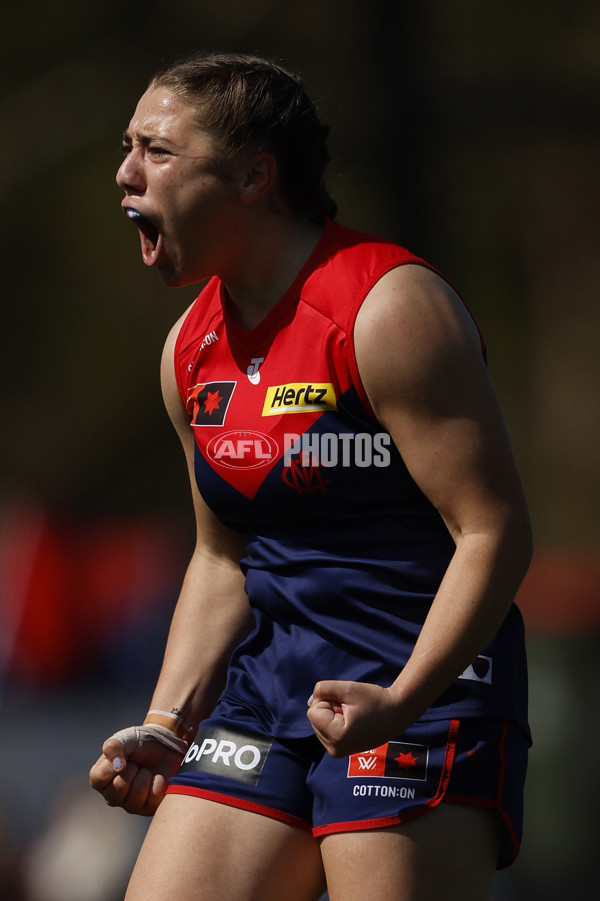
{"x": 242, "y": 449}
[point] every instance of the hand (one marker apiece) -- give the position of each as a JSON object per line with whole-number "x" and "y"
{"x": 348, "y": 717}
{"x": 134, "y": 769}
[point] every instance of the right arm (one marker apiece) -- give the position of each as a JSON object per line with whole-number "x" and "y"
{"x": 212, "y": 613}
{"x": 211, "y": 617}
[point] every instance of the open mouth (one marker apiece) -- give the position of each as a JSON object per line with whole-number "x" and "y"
{"x": 149, "y": 234}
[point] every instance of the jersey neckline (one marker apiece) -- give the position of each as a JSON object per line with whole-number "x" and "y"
{"x": 254, "y": 336}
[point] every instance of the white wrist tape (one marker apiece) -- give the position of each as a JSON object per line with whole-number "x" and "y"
{"x": 134, "y": 737}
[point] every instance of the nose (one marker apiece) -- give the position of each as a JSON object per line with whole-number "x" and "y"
{"x": 130, "y": 174}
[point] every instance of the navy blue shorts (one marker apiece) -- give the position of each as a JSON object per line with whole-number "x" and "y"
{"x": 470, "y": 761}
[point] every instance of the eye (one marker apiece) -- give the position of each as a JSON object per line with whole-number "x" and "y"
{"x": 156, "y": 152}
{"x": 126, "y": 149}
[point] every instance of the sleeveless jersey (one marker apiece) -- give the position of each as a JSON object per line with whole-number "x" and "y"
{"x": 344, "y": 553}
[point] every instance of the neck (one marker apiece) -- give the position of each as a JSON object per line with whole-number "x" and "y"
{"x": 277, "y": 251}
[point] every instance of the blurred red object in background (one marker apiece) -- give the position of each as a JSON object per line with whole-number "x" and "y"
{"x": 561, "y": 593}
{"x": 68, "y": 590}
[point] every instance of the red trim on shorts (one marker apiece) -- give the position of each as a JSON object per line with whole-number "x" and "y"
{"x": 491, "y": 804}
{"x": 503, "y": 813}
{"x": 241, "y": 804}
{"x": 414, "y": 812}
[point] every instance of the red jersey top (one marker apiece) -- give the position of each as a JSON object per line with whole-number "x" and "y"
{"x": 344, "y": 551}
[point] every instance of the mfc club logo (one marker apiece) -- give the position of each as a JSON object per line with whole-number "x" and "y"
{"x": 207, "y": 403}
{"x": 394, "y": 760}
{"x": 242, "y": 449}
{"x": 479, "y": 671}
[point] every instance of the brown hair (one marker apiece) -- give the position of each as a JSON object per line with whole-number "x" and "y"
{"x": 252, "y": 104}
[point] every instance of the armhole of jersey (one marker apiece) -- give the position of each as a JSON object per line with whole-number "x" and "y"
{"x": 351, "y": 349}
{"x": 197, "y": 316}
{"x": 180, "y": 375}
{"x": 462, "y": 300}
{"x": 353, "y": 366}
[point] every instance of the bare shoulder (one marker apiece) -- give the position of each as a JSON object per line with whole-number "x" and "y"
{"x": 419, "y": 355}
{"x": 417, "y": 306}
{"x": 414, "y": 335}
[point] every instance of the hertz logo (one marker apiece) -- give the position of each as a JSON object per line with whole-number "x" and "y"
{"x": 299, "y": 397}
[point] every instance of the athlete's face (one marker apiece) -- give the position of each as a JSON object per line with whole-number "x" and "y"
{"x": 183, "y": 207}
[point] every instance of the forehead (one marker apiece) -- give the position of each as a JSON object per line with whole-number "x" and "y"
{"x": 162, "y": 114}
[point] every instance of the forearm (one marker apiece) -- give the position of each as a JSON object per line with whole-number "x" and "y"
{"x": 211, "y": 617}
{"x": 470, "y": 605}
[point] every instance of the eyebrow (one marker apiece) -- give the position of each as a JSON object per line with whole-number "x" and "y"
{"x": 143, "y": 139}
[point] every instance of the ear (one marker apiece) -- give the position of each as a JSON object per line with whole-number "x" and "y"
{"x": 260, "y": 174}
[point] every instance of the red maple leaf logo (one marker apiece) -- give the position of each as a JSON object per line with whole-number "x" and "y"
{"x": 212, "y": 402}
{"x": 406, "y": 760}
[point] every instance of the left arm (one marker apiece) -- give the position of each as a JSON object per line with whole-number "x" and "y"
{"x": 420, "y": 359}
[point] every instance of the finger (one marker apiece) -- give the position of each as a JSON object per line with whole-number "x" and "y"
{"x": 328, "y": 706}
{"x": 330, "y": 742}
{"x": 138, "y": 791}
{"x": 102, "y": 773}
{"x": 116, "y": 752}
{"x": 329, "y": 690}
{"x": 158, "y": 790}
{"x": 326, "y": 717}
{"x": 130, "y": 789}
{"x": 145, "y": 793}
{"x": 117, "y": 790}
{"x": 123, "y": 743}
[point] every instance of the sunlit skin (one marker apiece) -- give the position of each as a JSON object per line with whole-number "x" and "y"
{"x": 419, "y": 357}
{"x": 211, "y": 220}
{"x": 168, "y": 175}
{"x": 433, "y": 395}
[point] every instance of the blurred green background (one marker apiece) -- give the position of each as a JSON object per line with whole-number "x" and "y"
{"x": 468, "y": 131}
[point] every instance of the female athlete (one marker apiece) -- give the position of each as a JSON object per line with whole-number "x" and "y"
{"x": 342, "y": 702}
